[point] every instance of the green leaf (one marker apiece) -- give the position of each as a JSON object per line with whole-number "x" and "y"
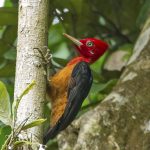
{"x": 8, "y": 69}
{"x": 4, "y": 132}
{"x": 103, "y": 87}
{"x": 144, "y": 13}
{"x": 6, "y": 42}
{"x": 28, "y": 88}
{"x": 33, "y": 124}
{"x": 8, "y": 3}
{"x": 5, "y": 109}
{"x": 8, "y": 38}
{"x": 3, "y": 63}
{"x": 8, "y": 16}
{"x": 17, "y": 101}
{"x": 129, "y": 49}
{"x": 97, "y": 97}
{"x": 21, "y": 143}
{"x": 60, "y": 61}
{"x": 10, "y": 55}
{"x": 97, "y": 66}
{"x": 97, "y": 76}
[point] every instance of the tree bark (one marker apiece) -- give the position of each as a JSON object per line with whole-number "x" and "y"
{"x": 122, "y": 120}
{"x": 32, "y": 33}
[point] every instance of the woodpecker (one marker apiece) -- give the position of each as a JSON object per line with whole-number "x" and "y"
{"x": 71, "y": 85}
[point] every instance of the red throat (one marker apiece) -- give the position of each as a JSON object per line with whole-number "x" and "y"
{"x": 78, "y": 59}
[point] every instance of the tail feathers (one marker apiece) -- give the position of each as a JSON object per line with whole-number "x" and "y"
{"x": 52, "y": 132}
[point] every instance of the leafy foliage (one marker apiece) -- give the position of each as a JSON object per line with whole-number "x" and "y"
{"x": 8, "y": 130}
{"x": 4, "y": 132}
{"x": 5, "y": 109}
{"x": 33, "y": 124}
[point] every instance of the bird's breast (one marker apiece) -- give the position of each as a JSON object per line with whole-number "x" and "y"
{"x": 58, "y": 92}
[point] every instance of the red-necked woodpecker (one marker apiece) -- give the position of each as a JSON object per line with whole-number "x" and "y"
{"x": 71, "y": 85}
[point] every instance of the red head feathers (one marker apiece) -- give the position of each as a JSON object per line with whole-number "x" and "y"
{"x": 89, "y": 48}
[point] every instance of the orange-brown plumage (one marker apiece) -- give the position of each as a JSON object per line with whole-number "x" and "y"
{"x": 58, "y": 94}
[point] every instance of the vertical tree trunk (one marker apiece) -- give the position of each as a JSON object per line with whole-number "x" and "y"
{"x": 32, "y": 33}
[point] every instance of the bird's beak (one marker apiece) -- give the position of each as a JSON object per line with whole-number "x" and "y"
{"x": 74, "y": 40}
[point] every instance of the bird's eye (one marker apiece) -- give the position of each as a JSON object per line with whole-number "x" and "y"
{"x": 89, "y": 43}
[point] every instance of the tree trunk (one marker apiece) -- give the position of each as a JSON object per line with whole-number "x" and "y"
{"x": 32, "y": 33}
{"x": 122, "y": 120}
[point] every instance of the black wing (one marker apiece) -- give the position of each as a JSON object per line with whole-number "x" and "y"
{"x": 78, "y": 89}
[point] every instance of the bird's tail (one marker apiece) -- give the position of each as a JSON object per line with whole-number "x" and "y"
{"x": 50, "y": 134}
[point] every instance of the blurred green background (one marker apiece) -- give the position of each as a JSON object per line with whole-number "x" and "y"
{"x": 118, "y": 22}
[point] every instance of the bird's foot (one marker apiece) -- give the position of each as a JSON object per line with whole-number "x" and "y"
{"x": 46, "y": 60}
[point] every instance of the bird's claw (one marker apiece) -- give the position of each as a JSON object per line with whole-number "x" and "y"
{"x": 45, "y": 57}
{"x": 46, "y": 60}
